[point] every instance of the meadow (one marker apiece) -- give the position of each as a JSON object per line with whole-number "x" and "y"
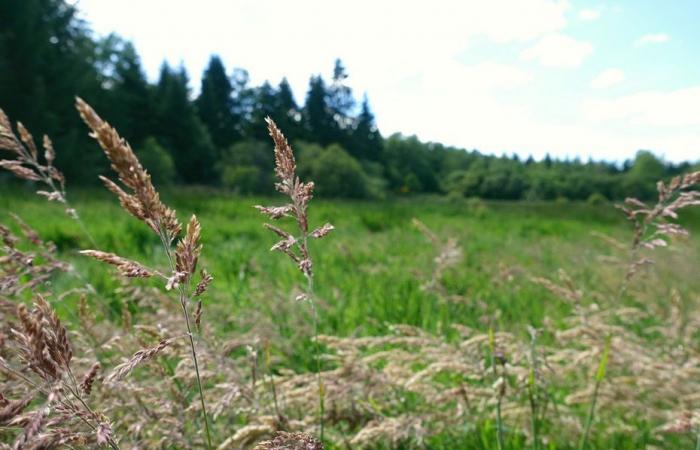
{"x": 375, "y": 272}
{"x": 417, "y": 322}
{"x": 372, "y": 273}
{"x": 399, "y": 294}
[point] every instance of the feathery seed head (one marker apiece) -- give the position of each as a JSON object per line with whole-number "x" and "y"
{"x": 144, "y": 203}
{"x": 126, "y": 267}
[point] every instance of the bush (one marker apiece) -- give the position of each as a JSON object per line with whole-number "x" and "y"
{"x": 376, "y": 183}
{"x": 463, "y": 183}
{"x": 242, "y": 179}
{"x": 596, "y": 199}
{"x": 334, "y": 171}
{"x": 157, "y": 161}
{"x": 247, "y": 167}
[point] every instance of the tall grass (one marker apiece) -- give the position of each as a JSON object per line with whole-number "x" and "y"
{"x": 599, "y": 377}
{"x": 407, "y": 352}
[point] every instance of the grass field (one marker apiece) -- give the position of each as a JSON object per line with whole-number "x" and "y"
{"x": 371, "y": 272}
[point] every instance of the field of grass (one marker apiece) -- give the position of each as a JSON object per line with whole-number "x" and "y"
{"x": 371, "y": 274}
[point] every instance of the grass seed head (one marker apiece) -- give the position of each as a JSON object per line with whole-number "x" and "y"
{"x": 144, "y": 203}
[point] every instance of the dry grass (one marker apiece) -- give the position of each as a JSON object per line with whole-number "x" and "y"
{"x": 164, "y": 380}
{"x": 297, "y": 247}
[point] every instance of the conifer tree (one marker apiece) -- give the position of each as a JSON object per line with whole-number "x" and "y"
{"x": 366, "y": 140}
{"x": 286, "y": 112}
{"x": 181, "y": 131}
{"x": 46, "y": 58}
{"x": 215, "y": 104}
{"x": 264, "y": 99}
{"x": 130, "y": 95}
{"x": 320, "y": 125}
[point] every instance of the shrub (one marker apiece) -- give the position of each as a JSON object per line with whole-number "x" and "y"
{"x": 335, "y": 172}
{"x": 596, "y": 199}
{"x": 243, "y": 179}
{"x": 463, "y": 183}
{"x": 159, "y": 162}
{"x": 245, "y": 167}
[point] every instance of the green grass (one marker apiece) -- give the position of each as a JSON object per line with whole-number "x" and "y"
{"x": 369, "y": 271}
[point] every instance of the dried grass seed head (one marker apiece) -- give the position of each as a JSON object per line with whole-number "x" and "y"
{"x": 126, "y": 267}
{"x": 290, "y": 441}
{"x": 144, "y": 203}
{"x": 188, "y": 249}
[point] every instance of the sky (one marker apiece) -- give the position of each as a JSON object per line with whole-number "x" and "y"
{"x": 569, "y": 78}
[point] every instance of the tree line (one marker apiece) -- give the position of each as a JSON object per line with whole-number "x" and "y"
{"x": 218, "y": 137}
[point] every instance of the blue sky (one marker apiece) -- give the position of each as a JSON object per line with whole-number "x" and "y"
{"x": 569, "y": 78}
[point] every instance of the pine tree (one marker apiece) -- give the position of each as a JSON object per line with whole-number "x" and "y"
{"x": 276, "y": 103}
{"x": 215, "y": 105}
{"x": 340, "y": 99}
{"x": 547, "y": 161}
{"x": 243, "y": 99}
{"x": 46, "y": 56}
{"x": 130, "y": 95}
{"x": 319, "y": 123}
{"x": 366, "y": 140}
{"x": 264, "y": 99}
{"x": 181, "y": 131}
{"x": 286, "y": 112}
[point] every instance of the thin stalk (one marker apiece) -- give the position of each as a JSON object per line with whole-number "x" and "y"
{"x": 634, "y": 256}
{"x": 589, "y": 418}
{"x": 499, "y": 418}
{"x": 196, "y": 370}
{"x": 82, "y": 226}
{"x": 697, "y": 440}
{"x": 183, "y": 303}
{"x": 273, "y": 389}
{"x": 317, "y": 356}
{"x": 499, "y": 424}
{"x": 533, "y": 421}
{"x": 75, "y": 391}
{"x": 600, "y": 375}
{"x": 46, "y": 392}
{"x": 532, "y": 392}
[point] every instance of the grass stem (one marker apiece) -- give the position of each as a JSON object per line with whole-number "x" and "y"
{"x": 317, "y": 357}
{"x": 499, "y": 418}
{"x": 183, "y": 303}
{"x": 600, "y": 375}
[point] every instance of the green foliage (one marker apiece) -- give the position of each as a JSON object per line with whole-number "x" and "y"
{"x": 334, "y": 171}
{"x": 366, "y": 141}
{"x": 47, "y": 55}
{"x": 246, "y": 167}
{"x": 596, "y": 199}
{"x": 215, "y": 104}
{"x": 286, "y": 113}
{"x": 645, "y": 171}
{"x": 131, "y": 103}
{"x": 157, "y": 161}
{"x": 182, "y": 132}
{"x": 371, "y": 272}
{"x": 242, "y": 179}
{"x": 408, "y": 165}
{"x": 320, "y": 126}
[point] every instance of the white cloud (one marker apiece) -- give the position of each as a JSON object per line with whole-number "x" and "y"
{"x": 486, "y": 75}
{"x": 657, "y": 38}
{"x": 607, "y": 78}
{"x": 384, "y": 40}
{"x": 558, "y": 50}
{"x": 589, "y": 14}
{"x": 677, "y": 108}
{"x": 408, "y": 57}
